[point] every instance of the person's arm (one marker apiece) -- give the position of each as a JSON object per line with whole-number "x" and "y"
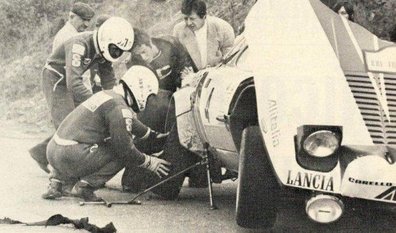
{"x": 183, "y": 62}
{"x": 75, "y": 53}
{"x": 183, "y": 57}
{"x": 121, "y": 121}
{"x": 106, "y": 74}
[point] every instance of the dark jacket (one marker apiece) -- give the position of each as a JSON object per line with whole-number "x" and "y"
{"x": 173, "y": 58}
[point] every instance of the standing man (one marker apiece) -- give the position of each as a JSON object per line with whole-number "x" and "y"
{"x": 95, "y": 142}
{"x": 165, "y": 56}
{"x": 79, "y": 19}
{"x": 207, "y": 38}
{"x": 62, "y": 75}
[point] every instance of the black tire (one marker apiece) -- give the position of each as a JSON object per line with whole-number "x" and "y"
{"x": 180, "y": 158}
{"x": 258, "y": 189}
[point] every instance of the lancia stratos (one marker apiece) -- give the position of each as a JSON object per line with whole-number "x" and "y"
{"x": 307, "y": 100}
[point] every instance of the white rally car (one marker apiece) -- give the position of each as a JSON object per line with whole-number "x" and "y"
{"x": 307, "y": 100}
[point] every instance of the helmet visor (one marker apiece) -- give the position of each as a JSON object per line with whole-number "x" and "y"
{"x": 114, "y": 51}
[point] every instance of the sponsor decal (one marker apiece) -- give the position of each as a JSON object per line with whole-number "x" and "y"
{"x": 163, "y": 72}
{"x": 273, "y": 113}
{"x": 389, "y": 194}
{"x": 128, "y": 124}
{"x": 366, "y": 182}
{"x": 77, "y": 51}
{"x": 126, "y": 113}
{"x": 96, "y": 101}
{"x": 382, "y": 61}
{"x": 309, "y": 180}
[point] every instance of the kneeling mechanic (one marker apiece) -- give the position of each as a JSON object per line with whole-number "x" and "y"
{"x": 95, "y": 141}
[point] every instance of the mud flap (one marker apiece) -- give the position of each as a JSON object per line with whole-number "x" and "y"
{"x": 257, "y": 194}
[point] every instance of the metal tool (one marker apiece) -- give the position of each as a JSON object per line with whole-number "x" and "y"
{"x": 206, "y": 158}
{"x": 204, "y": 161}
{"x": 133, "y": 201}
{"x": 82, "y": 203}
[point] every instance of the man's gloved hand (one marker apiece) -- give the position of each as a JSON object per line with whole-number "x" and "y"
{"x": 159, "y": 166}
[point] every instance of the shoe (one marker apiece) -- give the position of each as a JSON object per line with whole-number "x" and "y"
{"x": 54, "y": 191}
{"x": 86, "y": 192}
{"x": 40, "y": 158}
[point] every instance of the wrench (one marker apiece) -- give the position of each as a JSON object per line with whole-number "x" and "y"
{"x": 108, "y": 203}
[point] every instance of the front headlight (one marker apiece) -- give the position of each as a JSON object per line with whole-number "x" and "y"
{"x": 321, "y": 143}
{"x": 317, "y": 146}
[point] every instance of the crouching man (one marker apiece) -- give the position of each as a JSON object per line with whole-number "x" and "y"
{"x": 95, "y": 141}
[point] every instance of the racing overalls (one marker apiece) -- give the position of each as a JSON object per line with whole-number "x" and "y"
{"x": 168, "y": 64}
{"x": 63, "y": 84}
{"x": 62, "y": 75}
{"x": 94, "y": 142}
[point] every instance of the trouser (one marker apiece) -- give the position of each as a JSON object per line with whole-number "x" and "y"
{"x": 59, "y": 99}
{"x": 91, "y": 163}
{"x": 60, "y": 103}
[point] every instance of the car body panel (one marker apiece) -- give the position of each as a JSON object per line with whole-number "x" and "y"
{"x": 215, "y": 100}
{"x": 302, "y": 83}
{"x": 310, "y": 68}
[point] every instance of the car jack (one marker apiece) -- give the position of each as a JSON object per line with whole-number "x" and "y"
{"x": 133, "y": 201}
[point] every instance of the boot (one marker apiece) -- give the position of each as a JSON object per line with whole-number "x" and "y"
{"x": 38, "y": 153}
{"x": 86, "y": 192}
{"x": 67, "y": 190}
{"x": 54, "y": 190}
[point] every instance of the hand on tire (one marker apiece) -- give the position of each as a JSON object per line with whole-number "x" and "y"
{"x": 159, "y": 166}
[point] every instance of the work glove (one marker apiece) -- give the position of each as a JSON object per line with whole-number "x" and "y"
{"x": 159, "y": 166}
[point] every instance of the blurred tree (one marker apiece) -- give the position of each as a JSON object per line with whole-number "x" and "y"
{"x": 377, "y": 16}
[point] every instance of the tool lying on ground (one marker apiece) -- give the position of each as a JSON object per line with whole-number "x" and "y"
{"x": 133, "y": 201}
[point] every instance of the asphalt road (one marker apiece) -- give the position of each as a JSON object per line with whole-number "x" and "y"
{"x": 22, "y": 184}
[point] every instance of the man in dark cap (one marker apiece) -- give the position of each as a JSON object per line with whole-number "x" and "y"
{"x": 79, "y": 19}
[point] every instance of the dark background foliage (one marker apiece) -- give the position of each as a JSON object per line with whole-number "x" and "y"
{"x": 28, "y": 26}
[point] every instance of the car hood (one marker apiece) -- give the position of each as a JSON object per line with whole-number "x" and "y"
{"x": 305, "y": 62}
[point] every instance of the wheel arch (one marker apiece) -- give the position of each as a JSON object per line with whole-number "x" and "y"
{"x": 243, "y": 110}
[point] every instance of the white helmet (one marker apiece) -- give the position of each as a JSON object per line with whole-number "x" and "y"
{"x": 114, "y": 37}
{"x": 141, "y": 83}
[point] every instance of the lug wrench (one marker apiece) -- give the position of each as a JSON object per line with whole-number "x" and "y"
{"x": 133, "y": 201}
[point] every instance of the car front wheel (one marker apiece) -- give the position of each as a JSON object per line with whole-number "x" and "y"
{"x": 257, "y": 194}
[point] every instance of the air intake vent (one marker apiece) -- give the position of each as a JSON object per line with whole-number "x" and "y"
{"x": 381, "y": 130}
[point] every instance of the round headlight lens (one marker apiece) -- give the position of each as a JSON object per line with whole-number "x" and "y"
{"x": 321, "y": 143}
{"x": 324, "y": 208}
